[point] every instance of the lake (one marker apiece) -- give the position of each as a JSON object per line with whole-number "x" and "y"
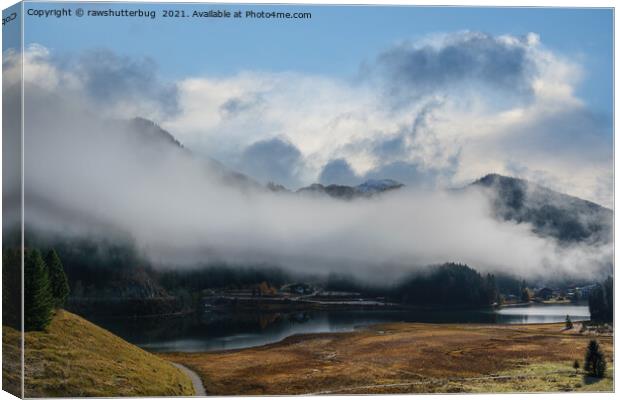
{"x": 226, "y": 331}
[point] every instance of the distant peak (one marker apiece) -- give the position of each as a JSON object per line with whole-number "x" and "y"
{"x": 148, "y": 127}
{"x": 373, "y": 185}
{"x": 493, "y": 177}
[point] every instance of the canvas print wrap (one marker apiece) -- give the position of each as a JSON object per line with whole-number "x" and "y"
{"x": 296, "y": 199}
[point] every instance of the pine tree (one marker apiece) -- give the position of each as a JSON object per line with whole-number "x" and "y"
{"x": 11, "y": 288}
{"x": 601, "y": 302}
{"x": 594, "y": 363}
{"x": 525, "y": 294}
{"x": 38, "y": 300}
{"x": 569, "y": 323}
{"x": 58, "y": 280}
{"x": 491, "y": 289}
{"x": 608, "y": 285}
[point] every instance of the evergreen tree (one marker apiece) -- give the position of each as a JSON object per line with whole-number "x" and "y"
{"x": 601, "y": 302}
{"x": 491, "y": 289}
{"x": 594, "y": 363}
{"x": 576, "y": 297}
{"x": 58, "y": 280}
{"x": 38, "y": 300}
{"x": 448, "y": 284}
{"x": 569, "y": 323}
{"x": 608, "y": 285}
{"x": 525, "y": 294}
{"x": 11, "y": 288}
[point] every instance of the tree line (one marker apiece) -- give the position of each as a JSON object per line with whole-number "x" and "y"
{"x": 449, "y": 284}
{"x": 45, "y": 288}
{"x": 601, "y": 301}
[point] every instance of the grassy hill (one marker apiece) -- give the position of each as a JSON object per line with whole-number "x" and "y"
{"x": 76, "y": 358}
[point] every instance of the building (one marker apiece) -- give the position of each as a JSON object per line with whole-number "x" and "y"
{"x": 545, "y": 293}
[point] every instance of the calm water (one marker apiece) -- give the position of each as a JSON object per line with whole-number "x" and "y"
{"x": 213, "y": 331}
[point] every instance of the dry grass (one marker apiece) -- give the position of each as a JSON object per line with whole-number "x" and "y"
{"x": 405, "y": 358}
{"x": 75, "y": 358}
{"x": 11, "y": 361}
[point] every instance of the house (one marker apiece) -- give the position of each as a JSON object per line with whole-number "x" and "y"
{"x": 511, "y": 298}
{"x": 298, "y": 288}
{"x": 584, "y": 291}
{"x": 545, "y": 293}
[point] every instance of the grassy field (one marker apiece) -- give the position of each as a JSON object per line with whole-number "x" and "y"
{"x": 407, "y": 358}
{"x": 75, "y": 358}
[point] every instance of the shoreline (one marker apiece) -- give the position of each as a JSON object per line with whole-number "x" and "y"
{"x": 312, "y": 335}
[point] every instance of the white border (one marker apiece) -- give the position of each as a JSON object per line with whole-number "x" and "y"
{"x": 477, "y": 3}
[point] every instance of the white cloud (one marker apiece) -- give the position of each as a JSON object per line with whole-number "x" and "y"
{"x": 484, "y": 127}
{"x": 471, "y": 124}
{"x": 84, "y": 174}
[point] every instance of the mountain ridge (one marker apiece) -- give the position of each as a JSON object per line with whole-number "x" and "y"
{"x": 551, "y": 213}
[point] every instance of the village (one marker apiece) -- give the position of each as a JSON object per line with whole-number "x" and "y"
{"x": 550, "y": 295}
{"x": 290, "y": 296}
{"x": 301, "y": 295}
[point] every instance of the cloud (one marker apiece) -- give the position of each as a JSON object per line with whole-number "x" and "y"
{"x": 89, "y": 175}
{"x": 454, "y": 61}
{"x": 118, "y": 85}
{"x": 338, "y": 172}
{"x": 110, "y": 78}
{"x": 507, "y": 101}
{"x": 407, "y": 173}
{"x": 237, "y": 105}
{"x": 273, "y": 160}
{"x": 513, "y": 110}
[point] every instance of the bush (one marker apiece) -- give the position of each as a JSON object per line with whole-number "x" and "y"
{"x": 595, "y": 364}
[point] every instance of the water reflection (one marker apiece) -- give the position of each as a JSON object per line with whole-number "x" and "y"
{"x": 226, "y": 331}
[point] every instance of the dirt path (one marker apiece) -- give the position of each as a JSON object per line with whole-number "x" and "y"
{"x": 196, "y": 381}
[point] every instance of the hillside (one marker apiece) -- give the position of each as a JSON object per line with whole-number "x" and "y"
{"x": 75, "y": 358}
{"x": 566, "y": 218}
{"x": 146, "y": 134}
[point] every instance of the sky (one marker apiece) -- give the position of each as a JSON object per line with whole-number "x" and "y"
{"x": 429, "y": 96}
{"x": 334, "y": 42}
{"x": 433, "y": 98}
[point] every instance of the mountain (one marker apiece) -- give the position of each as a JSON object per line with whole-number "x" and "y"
{"x": 378, "y": 185}
{"x": 147, "y": 133}
{"x": 150, "y": 131}
{"x": 566, "y": 218}
{"x": 366, "y": 189}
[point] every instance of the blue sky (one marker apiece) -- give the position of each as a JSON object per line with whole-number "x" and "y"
{"x": 429, "y": 96}
{"x": 334, "y": 42}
